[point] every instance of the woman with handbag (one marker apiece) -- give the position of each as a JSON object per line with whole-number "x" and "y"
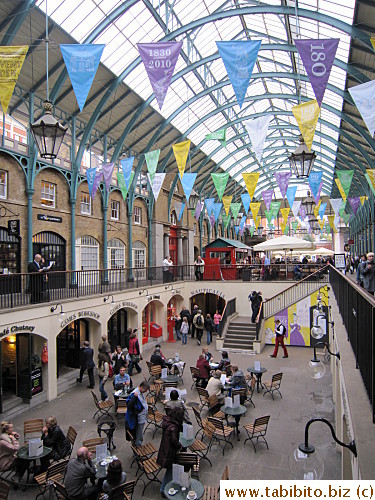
{"x": 103, "y": 372}
{"x": 135, "y": 354}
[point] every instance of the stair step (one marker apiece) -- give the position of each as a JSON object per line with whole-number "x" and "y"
{"x": 10, "y": 403}
{"x": 249, "y": 324}
{"x": 235, "y": 341}
{"x": 240, "y": 336}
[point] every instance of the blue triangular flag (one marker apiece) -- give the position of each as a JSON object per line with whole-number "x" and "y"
{"x": 187, "y": 182}
{"x": 322, "y": 209}
{"x": 242, "y": 223}
{"x": 82, "y": 62}
{"x": 127, "y": 166}
{"x": 181, "y": 211}
{"x": 90, "y": 175}
{"x": 314, "y": 182}
{"x": 239, "y": 57}
{"x": 236, "y": 230}
{"x": 246, "y": 201}
{"x": 216, "y": 209}
{"x": 209, "y": 202}
{"x": 291, "y": 194}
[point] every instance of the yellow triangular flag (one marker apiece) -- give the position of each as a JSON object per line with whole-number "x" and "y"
{"x": 257, "y": 222}
{"x": 285, "y": 214}
{"x": 342, "y": 192}
{"x": 316, "y": 209}
{"x": 254, "y": 207}
{"x": 371, "y": 173}
{"x": 363, "y": 199}
{"x": 307, "y": 115}
{"x": 181, "y": 151}
{"x": 283, "y": 226}
{"x": 251, "y": 181}
{"x": 331, "y": 219}
{"x": 321, "y": 224}
{"x": 372, "y": 40}
{"x": 227, "y": 200}
{"x": 11, "y": 61}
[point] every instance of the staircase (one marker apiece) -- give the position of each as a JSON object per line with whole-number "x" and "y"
{"x": 241, "y": 334}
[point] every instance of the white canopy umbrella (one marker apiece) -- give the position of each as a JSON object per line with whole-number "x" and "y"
{"x": 323, "y": 251}
{"x": 284, "y": 243}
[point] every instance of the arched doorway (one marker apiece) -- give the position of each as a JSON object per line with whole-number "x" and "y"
{"x": 52, "y": 247}
{"x": 68, "y": 345}
{"x": 153, "y": 313}
{"x": 117, "y": 326}
{"x": 208, "y": 303}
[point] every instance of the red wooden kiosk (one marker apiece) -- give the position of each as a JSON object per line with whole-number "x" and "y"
{"x": 222, "y": 258}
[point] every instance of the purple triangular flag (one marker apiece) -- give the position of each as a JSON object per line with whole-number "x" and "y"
{"x": 267, "y": 197}
{"x": 107, "y": 172}
{"x": 354, "y": 203}
{"x": 97, "y": 180}
{"x": 317, "y": 197}
{"x": 198, "y": 209}
{"x": 282, "y": 179}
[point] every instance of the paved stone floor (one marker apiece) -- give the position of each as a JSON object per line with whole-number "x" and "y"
{"x": 302, "y": 399}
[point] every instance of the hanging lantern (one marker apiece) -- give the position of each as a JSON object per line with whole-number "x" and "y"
{"x": 308, "y": 204}
{"x": 302, "y": 161}
{"x": 48, "y": 133}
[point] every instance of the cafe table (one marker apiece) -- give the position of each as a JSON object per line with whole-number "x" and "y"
{"x": 170, "y": 378}
{"x": 23, "y": 454}
{"x": 258, "y": 373}
{"x": 237, "y": 413}
{"x": 181, "y": 494}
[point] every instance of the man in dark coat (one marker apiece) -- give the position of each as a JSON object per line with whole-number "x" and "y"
{"x": 87, "y": 363}
{"x": 36, "y": 279}
{"x": 255, "y": 305}
{"x": 170, "y": 444}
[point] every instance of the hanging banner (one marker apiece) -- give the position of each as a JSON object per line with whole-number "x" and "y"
{"x": 269, "y": 217}
{"x": 251, "y": 181}
{"x": 342, "y": 192}
{"x": 257, "y": 130}
{"x": 274, "y": 208}
{"x": 294, "y": 225}
{"x": 315, "y": 178}
{"x": 342, "y": 208}
{"x": 179, "y": 208}
{"x": 346, "y": 218}
{"x": 307, "y": 115}
{"x": 220, "y": 183}
{"x": 236, "y": 230}
{"x": 122, "y": 185}
{"x": 283, "y": 226}
{"x": 219, "y": 135}
{"x": 239, "y": 58}
{"x": 316, "y": 209}
{"x": 321, "y": 224}
{"x": 209, "y": 202}
{"x": 187, "y": 183}
{"x": 370, "y": 180}
{"x": 322, "y": 210}
{"x": 181, "y": 151}
{"x": 226, "y": 219}
{"x": 295, "y": 207}
{"x": 107, "y": 173}
{"x": 364, "y": 98}
{"x": 156, "y": 183}
{"x": 252, "y": 229}
{"x": 354, "y": 203}
{"x": 254, "y": 207}
{"x": 291, "y": 194}
{"x": 331, "y": 221}
{"x": 257, "y": 222}
{"x": 152, "y": 158}
{"x": 227, "y": 200}
{"x": 97, "y": 181}
{"x": 362, "y": 200}
{"x": 336, "y": 204}
{"x": 242, "y": 223}
{"x": 267, "y": 197}
{"x": 245, "y": 201}
{"x": 81, "y": 61}
{"x": 346, "y": 177}
{"x": 212, "y": 220}
{"x": 11, "y": 62}
{"x": 198, "y": 210}
{"x": 90, "y": 176}
{"x": 317, "y": 197}
{"x": 282, "y": 179}
{"x": 285, "y": 214}
{"x": 216, "y": 210}
{"x": 126, "y": 166}
{"x": 317, "y": 57}
{"x": 160, "y": 60}
{"x": 235, "y": 208}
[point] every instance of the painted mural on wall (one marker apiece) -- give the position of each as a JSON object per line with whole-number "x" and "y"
{"x": 298, "y": 320}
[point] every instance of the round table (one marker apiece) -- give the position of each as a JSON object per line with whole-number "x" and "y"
{"x": 236, "y": 413}
{"x": 122, "y": 395}
{"x": 258, "y": 374}
{"x": 185, "y": 442}
{"x": 195, "y": 485}
{"x": 214, "y": 366}
{"x": 23, "y": 454}
{"x": 170, "y": 378}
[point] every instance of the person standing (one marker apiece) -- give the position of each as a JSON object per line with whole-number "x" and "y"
{"x": 194, "y": 312}
{"x": 267, "y": 265}
{"x": 36, "y": 279}
{"x": 136, "y": 414}
{"x": 103, "y": 372}
{"x": 368, "y": 274}
{"x": 361, "y": 265}
{"x": 198, "y": 322}
{"x": 184, "y": 330}
{"x": 118, "y": 360}
{"x": 87, "y": 363}
{"x": 199, "y": 268}
{"x": 217, "y": 319}
{"x": 177, "y": 326}
{"x": 209, "y": 326}
{"x": 167, "y": 270}
{"x": 128, "y": 332}
{"x": 135, "y": 354}
{"x": 255, "y": 305}
{"x": 105, "y": 347}
{"x": 280, "y": 335}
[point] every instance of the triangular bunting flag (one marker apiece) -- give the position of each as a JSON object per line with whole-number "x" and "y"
{"x": 251, "y": 181}
{"x": 152, "y": 158}
{"x": 283, "y": 226}
{"x": 331, "y": 221}
{"x": 316, "y": 209}
{"x": 235, "y": 208}
{"x": 302, "y": 212}
{"x": 227, "y": 200}
{"x": 236, "y": 230}
{"x": 245, "y": 201}
{"x": 294, "y": 225}
{"x": 317, "y": 57}
{"x": 90, "y": 176}
{"x": 107, "y": 172}
{"x": 354, "y": 203}
{"x": 126, "y": 166}
{"x": 336, "y": 204}
{"x": 370, "y": 179}
{"x": 198, "y": 209}
{"x": 216, "y": 209}
{"x": 212, "y": 220}
{"x": 362, "y": 199}
{"x": 254, "y": 207}
{"x": 364, "y": 98}
{"x": 315, "y": 178}
{"x": 274, "y": 208}
{"x": 181, "y": 151}
{"x": 82, "y": 61}
{"x": 257, "y": 222}
{"x": 346, "y": 177}
{"x": 209, "y": 202}
{"x": 220, "y": 183}
{"x": 239, "y": 58}
{"x": 269, "y": 217}
{"x": 342, "y": 192}
{"x": 181, "y": 211}
{"x": 219, "y": 135}
{"x": 342, "y": 208}
{"x": 295, "y": 207}
{"x": 11, "y": 61}
{"x": 285, "y": 214}
{"x": 317, "y": 197}
{"x": 321, "y": 224}
{"x": 226, "y": 219}
{"x": 267, "y": 197}
{"x": 156, "y": 183}
{"x": 286, "y": 230}
{"x": 187, "y": 183}
{"x": 322, "y": 210}
{"x": 372, "y": 40}
{"x": 291, "y": 194}
{"x": 252, "y": 229}
{"x": 179, "y": 208}
{"x": 97, "y": 181}
{"x": 307, "y": 115}
{"x": 242, "y": 223}
{"x": 122, "y": 185}
{"x": 160, "y": 60}
{"x": 346, "y": 218}
{"x": 336, "y": 222}
{"x": 282, "y": 179}
{"x": 257, "y": 130}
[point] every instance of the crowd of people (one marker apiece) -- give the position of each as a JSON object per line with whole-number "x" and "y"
{"x": 194, "y": 324}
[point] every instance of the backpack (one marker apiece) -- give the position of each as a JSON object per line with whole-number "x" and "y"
{"x": 110, "y": 371}
{"x": 199, "y": 320}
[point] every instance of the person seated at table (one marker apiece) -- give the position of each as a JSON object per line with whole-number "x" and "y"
{"x": 176, "y": 402}
{"x": 118, "y": 360}
{"x": 53, "y": 437}
{"x": 9, "y": 444}
{"x": 297, "y": 272}
{"x": 156, "y": 358}
{"x": 158, "y": 346}
{"x": 237, "y": 380}
{"x": 77, "y": 472}
{"x": 122, "y": 380}
{"x": 215, "y": 386}
{"x": 208, "y": 356}
{"x": 224, "y": 362}
{"x": 204, "y": 370}
{"x": 115, "y": 476}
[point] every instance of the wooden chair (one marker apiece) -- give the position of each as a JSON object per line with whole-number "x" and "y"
{"x": 200, "y": 421}
{"x": 190, "y": 461}
{"x": 180, "y": 374}
{"x": 222, "y": 432}
{"x": 196, "y": 376}
{"x": 203, "y": 396}
{"x": 242, "y": 393}
{"x": 155, "y": 418}
{"x": 273, "y": 385}
{"x": 144, "y": 451}
{"x": 257, "y": 430}
{"x": 129, "y": 490}
{"x": 149, "y": 467}
{"x": 155, "y": 372}
{"x": 60, "y": 490}
{"x": 201, "y": 448}
{"x": 172, "y": 385}
{"x": 102, "y": 407}
{"x": 121, "y": 408}
{"x": 71, "y": 436}
{"x": 250, "y": 381}
{"x": 4, "y": 490}
{"x": 92, "y": 443}
{"x": 56, "y": 471}
{"x": 32, "y": 428}
{"x": 213, "y": 492}
{"x": 149, "y": 366}
{"x": 214, "y": 407}
{"x": 120, "y": 492}
{"x": 154, "y": 391}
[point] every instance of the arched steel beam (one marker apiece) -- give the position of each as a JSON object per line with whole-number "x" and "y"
{"x": 19, "y": 14}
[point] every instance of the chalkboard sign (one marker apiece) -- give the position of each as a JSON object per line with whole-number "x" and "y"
{"x": 340, "y": 261}
{"x": 36, "y": 381}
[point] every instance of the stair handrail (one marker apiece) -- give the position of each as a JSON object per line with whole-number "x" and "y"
{"x": 306, "y": 279}
{"x": 258, "y": 320}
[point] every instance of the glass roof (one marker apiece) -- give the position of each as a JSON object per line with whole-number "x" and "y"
{"x": 275, "y": 94}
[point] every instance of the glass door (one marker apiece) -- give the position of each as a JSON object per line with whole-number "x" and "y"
{"x": 23, "y": 383}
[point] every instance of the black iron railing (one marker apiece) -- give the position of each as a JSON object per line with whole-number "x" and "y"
{"x": 230, "y": 308}
{"x": 357, "y": 309}
{"x": 259, "y": 319}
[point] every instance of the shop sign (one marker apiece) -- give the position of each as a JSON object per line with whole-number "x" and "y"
{"x": 122, "y": 304}
{"x": 36, "y": 381}
{"x": 208, "y": 290}
{"x": 79, "y": 315}
{"x": 13, "y": 227}
{"x": 49, "y": 218}
{"x": 16, "y": 329}
{"x": 340, "y": 261}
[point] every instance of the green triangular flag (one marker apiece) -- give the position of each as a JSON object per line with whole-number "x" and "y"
{"x": 346, "y": 218}
{"x": 219, "y": 135}
{"x": 269, "y": 216}
{"x": 274, "y": 208}
{"x": 286, "y": 230}
{"x": 294, "y": 225}
{"x": 251, "y": 229}
{"x": 122, "y": 185}
{"x": 346, "y": 177}
{"x": 226, "y": 220}
{"x": 152, "y": 158}
{"x": 342, "y": 208}
{"x": 235, "y": 208}
{"x": 220, "y": 182}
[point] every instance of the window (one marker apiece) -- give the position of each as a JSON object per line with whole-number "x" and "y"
{"x": 85, "y": 204}
{"x": 139, "y": 259}
{"x": 87, "y": 253}
{"x": 137, "y": 215}
{"x": 48, "y": 194}
{"x": 3, "y": 184}
{"x": 116, "y": 254}
{"x": 195, "y": 229}
{"x": 115, "y": 210}
{"x": 173, "y": 219}
{"x": 203, "y": 230}
{"x": 212, "y": 232}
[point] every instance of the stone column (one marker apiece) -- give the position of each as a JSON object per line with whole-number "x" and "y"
{"x": 166, "y": 245}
